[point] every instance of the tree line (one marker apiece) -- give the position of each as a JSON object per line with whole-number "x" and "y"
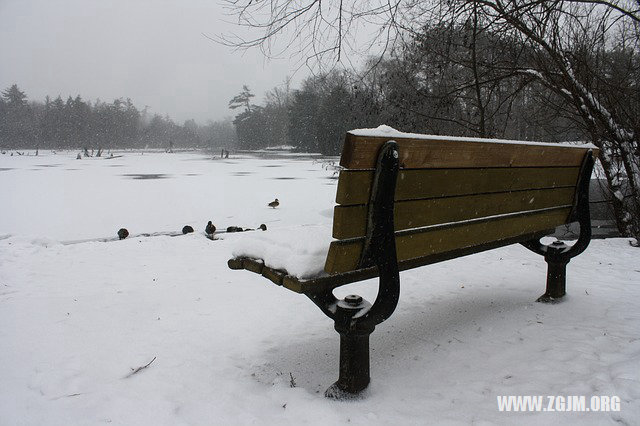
{"x": 75, "y": 123}
{"x": 449, "y": 80}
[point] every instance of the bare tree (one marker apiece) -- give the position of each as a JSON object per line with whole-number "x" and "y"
{"x": 577, "y": 47}
{"x": 321, "y": 32}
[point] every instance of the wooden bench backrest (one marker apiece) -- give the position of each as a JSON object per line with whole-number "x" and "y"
{"x": 453, "y": 194}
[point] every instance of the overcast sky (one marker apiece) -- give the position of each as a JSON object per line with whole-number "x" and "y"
{"x": 152, "y": 51}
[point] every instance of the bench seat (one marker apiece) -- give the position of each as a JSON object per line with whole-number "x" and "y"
{"x": 322, "y": 282}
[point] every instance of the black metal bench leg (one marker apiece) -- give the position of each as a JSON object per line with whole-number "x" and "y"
{"x": 556, "y": 272}
{"x": 354, "y": 374}
{"x": 558, "y": 254}
{"x": 354, "y": 365}
{"x": 556, "y": 282}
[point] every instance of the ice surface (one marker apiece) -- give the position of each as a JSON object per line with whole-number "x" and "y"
{"x": 68, "y": 199}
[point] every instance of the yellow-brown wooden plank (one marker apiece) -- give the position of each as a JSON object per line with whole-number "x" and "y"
{"x": 293, "y": 284}
{"x": 344, "y": 255}
{"x": 273, "y": 275}
{"x": 360, "y": 152}
{"x": 350, "y": 221}
{"x": 354, "y": 186}
{"x": 253, "y": 265}
{"x": 235, "y": 263}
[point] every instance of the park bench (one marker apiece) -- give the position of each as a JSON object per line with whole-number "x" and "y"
{"x": 407, "y": 200}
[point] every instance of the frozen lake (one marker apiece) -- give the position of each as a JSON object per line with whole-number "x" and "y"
{"x": 59, "y": 197}
{"x": 229, "y": 347}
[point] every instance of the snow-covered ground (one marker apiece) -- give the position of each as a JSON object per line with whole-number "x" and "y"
{"x": 228, "y": 347}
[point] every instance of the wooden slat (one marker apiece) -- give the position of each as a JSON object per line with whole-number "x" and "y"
{"x": 344, "y": 255}
{"x": 253, "y": 265}
{"x": 273, "y": 275}
{"x": 351, "y": 221}
{"x": 360, "y": 152}
{"x": 235, "y": 263}
{"x": 354, "y": 187}
{"x": 293, "y": 284}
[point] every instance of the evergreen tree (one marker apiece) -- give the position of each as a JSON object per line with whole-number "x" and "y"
{"x": 14, "y": 97}
{"x": 17, "y": 128}
{"x": 243, "y": 99}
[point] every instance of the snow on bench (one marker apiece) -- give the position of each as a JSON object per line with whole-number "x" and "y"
{"x": 299, "y": 250}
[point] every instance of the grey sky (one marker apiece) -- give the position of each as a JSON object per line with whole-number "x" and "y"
{"x": 152, "y": 51}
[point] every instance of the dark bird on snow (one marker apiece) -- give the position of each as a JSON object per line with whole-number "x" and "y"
{"x": 234, "y": 229}
{"x": 263, "y": 227}
{"x": 187, "y": 229}
{"x": 210, "y": 228}
{"x": 123, "y": 233}
{"x": 275, "y": 203}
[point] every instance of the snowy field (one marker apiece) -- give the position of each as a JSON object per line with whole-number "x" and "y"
{"x": 228, "y": 347}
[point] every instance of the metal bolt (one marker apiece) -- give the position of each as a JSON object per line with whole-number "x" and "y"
{"x": 353, "y": 299}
